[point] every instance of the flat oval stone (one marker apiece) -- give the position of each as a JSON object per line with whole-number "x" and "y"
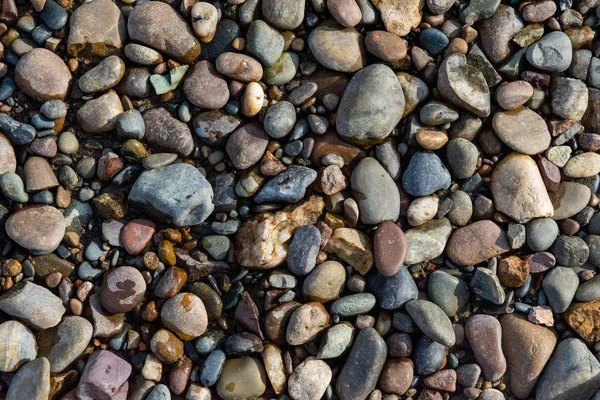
{"x": 582, "y": 165}
{"x": 522, "y": 130}
{"x": 142, "y": 55}
{"x": 373, "y": 90}
{"x": 375, "y": 192}
{"x": 159, "y": 26}
{"x": 512, "y": 95}
{"x": 353, "y": 304}
{"x": 239, "y": 67}
{"x": 204, "y": 87}
{"x": 552, "y": 53}
{"x": 541, "y": 233}
{"x": 166, "y": 133}
{"x": 42, "y": 75}
{"x": 527, "y": 348}
{"x": 485, "y": 337}
{"x": 8, "y": 161}
{"x": 385, "y": 45}
{"x": 432, "y": 321}
{"x": 288, "y": 186}
{"x": 37, "y": 229}
{"x": 572, "y": 372}
{"x": 518, "y": 189}
{"x": 569, "y": 199}
{"x": 123, "y": 290}
{"x": 264, "y": 42}
{"x": 447, "y": 291}
{"x": 361, "y": 371}
{"x": 463, "y": 84}
{"x": 17, "y": 347}
{"x": 35, "y": 305}
{"x": 325, "y": 282}
{"x": 337, "y": 48}
{"x": 389, "y": 248}
{"x": 185, "y": 315}
{"x": 392, "y": 292}
{"x": 477, "y": 243}
{"x": 107, "y": 74}
{"x": 242, "y": 378}
{"x": 65, "y": 342}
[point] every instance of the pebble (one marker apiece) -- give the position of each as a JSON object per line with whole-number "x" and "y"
{"x": 18, "y": 347}
{"x": 509, "y": 127}
{"x": 142, "y": 55}
{"x": 280, "y": 119}
{"x": 96, "y": 29}
{"x": 450, "y": 293}
{"x": 588, "y": 291}
{"x": 400, "y": 18}
{"x": 570, "y": 251}
{"x": 204, "y": 21}
{"x": 325, "y": 282}
{"x": 541, "y": 233}
{"x": 336, "y": 341}
{"x": 390, "y": 248}
{"x": 246, "y": 146}
{"x": 353, "y": 247}
{"x": 432, "y": 321}
{"x": 353, "y": 120}
{"x": 385, "y": 45}
{"x": 185, "y": 315}
{"x": 302, "y": 252}
{"x": 359, "y": 375}
{"x": 264, "y": 42}
{"x": 123, "y": 290}
{"x": 159, "y": 26}
{"x": 242, "y": 377}
{"x": 185, "y": 200}
{"x": 64, "y": 343}
{"x": 104, "y": 374}
{"x": 100, "y": 115}
{"x": 107, "y": 74}
{"x": 487, "y": 285}
{"x": 569, "y": 199}
{"x": 38, "y": 229}
{"x": 376, "y": 193}
{"x": 560, "y": 285}
{"x": 519, "y": 190}
{"x": 288, "y": 186}
{"x": 306, "y": 322}
{"x": 427, "y": 241}
{"x": 425, "y": 175}
{"x": 552, "y": 53}
{"x": 393, "y": 292}
{"x": 582, "y": 165}
{"x": 572, "y": 369}
{"x": 205, "y": 87}
{"x": 42, "y": 75}
{"x": 464, "y": 85}
{"x": 284, "y": 14}
{"x": 309, "y": 380}
{"x": 32, "y": 378}
{"x": 485, "y": 337}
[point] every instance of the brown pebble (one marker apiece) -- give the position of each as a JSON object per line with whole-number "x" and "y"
{"x": 390, "y": 248}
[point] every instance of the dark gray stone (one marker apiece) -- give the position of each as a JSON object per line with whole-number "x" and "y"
{"x": 288, "y": 186}
{"x": 392, "y": 292}
{"x": 303, "y": 250}
{"x": 425, "y": 175}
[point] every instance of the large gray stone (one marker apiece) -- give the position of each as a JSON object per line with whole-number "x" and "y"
{"x": 33, "y": 304}
{"x": 573, "y": 372}
{"x": 32, "y": 381}
{"x": 375, "y": 192}
{"x": 177, "y": 194}
{"x": 372, "y": 105}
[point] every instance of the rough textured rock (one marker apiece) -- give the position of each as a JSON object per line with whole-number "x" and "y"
{"x": 42, "y": 75}
{"x": 262, "y": 241}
